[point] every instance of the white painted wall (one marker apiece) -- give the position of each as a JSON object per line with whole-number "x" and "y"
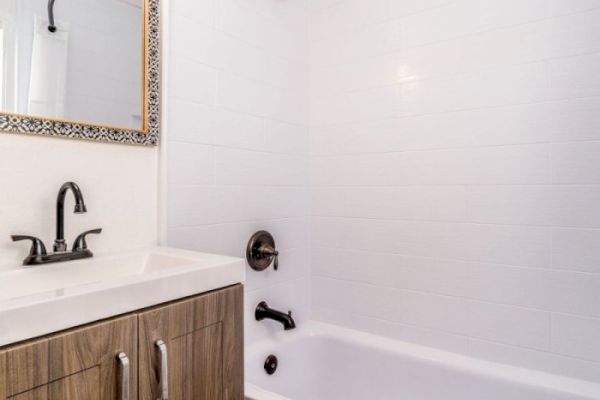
{"x": 119, "y": 184}
{"x": 455, "y": 175}
{"x": 237, "y": 155}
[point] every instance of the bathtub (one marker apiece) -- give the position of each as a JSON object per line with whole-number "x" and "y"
{"x": 325, "y": 362}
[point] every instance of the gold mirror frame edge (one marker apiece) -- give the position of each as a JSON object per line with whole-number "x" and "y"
{"x": 13, "y": 123}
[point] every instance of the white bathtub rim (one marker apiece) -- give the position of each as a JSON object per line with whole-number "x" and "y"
{"x": 253, "y": 392}
{"x": 503, "y": 372}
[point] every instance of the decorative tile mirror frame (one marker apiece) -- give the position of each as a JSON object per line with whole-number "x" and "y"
{"x": 147, "y": 136}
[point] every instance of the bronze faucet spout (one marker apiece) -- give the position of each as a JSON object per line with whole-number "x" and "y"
{"x": 59, "y": 243}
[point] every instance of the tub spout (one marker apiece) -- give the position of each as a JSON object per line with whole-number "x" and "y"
{"x": 264, "y": 312}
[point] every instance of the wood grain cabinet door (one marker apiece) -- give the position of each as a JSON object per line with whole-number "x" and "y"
{"x": 81, "y": 364}
{"x": 200, "y": 348}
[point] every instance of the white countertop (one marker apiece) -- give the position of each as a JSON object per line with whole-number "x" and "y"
{"x": 39, "y": 300}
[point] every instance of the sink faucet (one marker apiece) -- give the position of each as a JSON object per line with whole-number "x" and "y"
{"x": 60, "y": 246}
{"x": 264, "y": 312}
{"x": 38, "y": 254}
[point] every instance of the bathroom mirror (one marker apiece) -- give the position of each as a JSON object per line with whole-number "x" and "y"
{"x": 85, "y": 69}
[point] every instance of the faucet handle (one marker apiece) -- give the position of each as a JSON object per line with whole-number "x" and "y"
{"x": 37, "y": 246}
{"x": 261, "y": 251}
{"x": 80, "y": 243}
{"x": 270, "y": 252}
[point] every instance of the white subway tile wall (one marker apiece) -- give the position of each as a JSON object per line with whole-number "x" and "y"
{"x": 238, "y": 141}
{"x": 455, "y": 175}
{"x": 447, "y": 193}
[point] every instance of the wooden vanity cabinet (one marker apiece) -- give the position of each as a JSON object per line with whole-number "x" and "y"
{"x": 201, "y": 356}
{"x": 75, "y": 365}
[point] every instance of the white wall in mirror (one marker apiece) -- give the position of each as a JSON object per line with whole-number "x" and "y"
{"x": 89, "y": 70}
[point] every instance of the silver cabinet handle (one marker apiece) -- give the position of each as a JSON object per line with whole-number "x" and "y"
{"x": 125, "y": 377}
{"x": 164, "y": 370}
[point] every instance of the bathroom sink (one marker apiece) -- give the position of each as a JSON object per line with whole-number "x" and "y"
{"x": 56, "y": 277}
{"x": 38, "y": 300}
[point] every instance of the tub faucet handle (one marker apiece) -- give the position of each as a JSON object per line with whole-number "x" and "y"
{"x": 261, "y": 251}
{"x": 269, "y": 252}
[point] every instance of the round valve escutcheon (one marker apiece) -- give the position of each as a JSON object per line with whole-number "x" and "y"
{"x": 261, "y": 251}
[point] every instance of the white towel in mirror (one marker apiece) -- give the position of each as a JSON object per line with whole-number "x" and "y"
{"x": 48, "y": 84}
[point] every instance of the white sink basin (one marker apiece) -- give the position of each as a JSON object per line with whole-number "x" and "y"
{"x": 39, "y": 300}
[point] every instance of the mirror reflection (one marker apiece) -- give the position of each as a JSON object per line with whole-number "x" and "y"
{"x": 75, "y": 60}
